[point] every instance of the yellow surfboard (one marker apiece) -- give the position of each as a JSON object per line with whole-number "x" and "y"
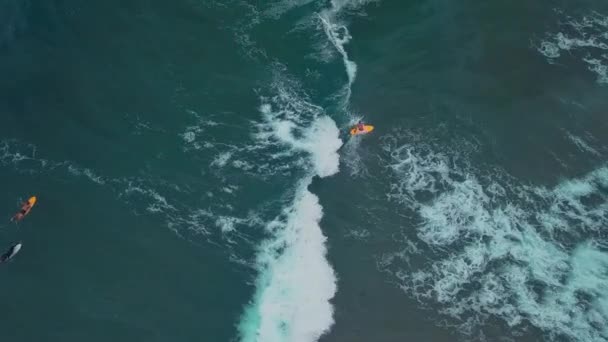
{"x": 366, "y": 129}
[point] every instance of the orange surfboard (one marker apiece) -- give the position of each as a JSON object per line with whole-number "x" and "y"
{"x": 366, "y": 129}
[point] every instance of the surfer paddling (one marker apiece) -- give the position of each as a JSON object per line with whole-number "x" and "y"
{"x": 10, "y": 253}
{"x": 25, "y": 209}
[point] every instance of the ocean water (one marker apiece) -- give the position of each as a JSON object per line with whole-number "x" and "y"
{"x": 196, "y": 180}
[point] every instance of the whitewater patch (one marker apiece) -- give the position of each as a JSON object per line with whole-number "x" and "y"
{"x": 221, "y": 159}
{"x": 295, "y": 281}
{"x": 489, "y": 247}
{"x": 584, "y": 38}
{"x": 320, "y": 141}
{"x": 290, "y": 120}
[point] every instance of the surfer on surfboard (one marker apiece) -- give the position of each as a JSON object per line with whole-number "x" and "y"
{"x": 361, "y": 128}
{"x": 25, "y": 209}
{"x": 10, "y": 253}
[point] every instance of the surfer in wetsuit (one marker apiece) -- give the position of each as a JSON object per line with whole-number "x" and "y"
{"x": 25, "y": 209}
{"x": 360, "y": 126}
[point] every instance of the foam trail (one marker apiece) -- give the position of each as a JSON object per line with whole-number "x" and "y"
{"x": 353, "y": 158}
{"x": 339, "y": 36}
{"x": 295, "y": 282}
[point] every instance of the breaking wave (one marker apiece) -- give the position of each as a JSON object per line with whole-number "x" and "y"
{"x": 295, "y": 281}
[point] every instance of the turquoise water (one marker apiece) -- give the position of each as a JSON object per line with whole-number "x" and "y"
{"x": 196, "y": 181}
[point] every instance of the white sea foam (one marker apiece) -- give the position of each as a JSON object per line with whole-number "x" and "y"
{"x": 598, "y": 67}
{"x": 322, "y": 142}
{"x": 585, "y": 38}
{"x": 295, "y": 281}
{"x": 230, "y": 189}
{"x": 358, "y": 234}
{"x": 23, "y": 158}
{"x": 335, "y": 11}
{"x": 145, "y": 196}
{"x": 77, "y": 171}
{"x": 189, "y": 136}
{"x": 192, "y": 133}
{"x": 221, "y": 159}
{"x": 583, "y": 145}
{"x": 227, "y": 224}
{"x": 353, "y": 158}
{"x": 292, "y": 121}
{"x": 339, "y": 36}
{"x": 496, "y": 247}
{"x": 243, "y": 165}
{"x": 156, "y": 202}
